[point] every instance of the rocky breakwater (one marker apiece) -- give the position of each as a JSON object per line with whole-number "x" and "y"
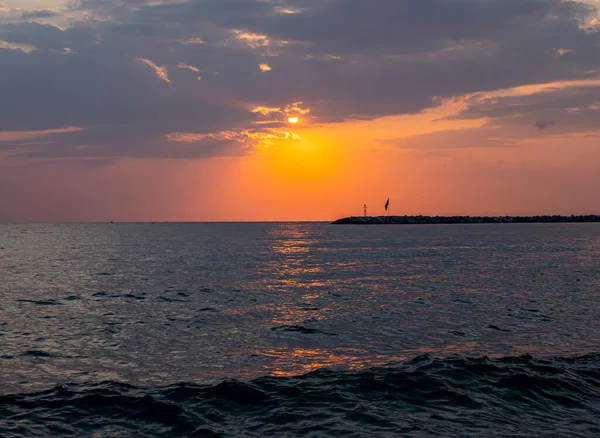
{"x": 431, "y": 220}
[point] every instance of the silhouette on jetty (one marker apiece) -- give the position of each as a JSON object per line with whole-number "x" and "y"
{"x": 431, "y": 220}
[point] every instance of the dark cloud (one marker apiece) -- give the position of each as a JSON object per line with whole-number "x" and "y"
{"x": 380, "y": 26}
{"x": 41, "y": 13}
{"x": 544, "y": 124}
{"x": 342, "y": 58}
{"x": 145, "y": 147}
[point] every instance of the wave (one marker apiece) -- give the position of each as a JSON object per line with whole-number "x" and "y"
{"x": 425, "y": 396}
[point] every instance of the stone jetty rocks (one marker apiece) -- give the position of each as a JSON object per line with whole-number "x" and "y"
{"x": 431, "y": 220}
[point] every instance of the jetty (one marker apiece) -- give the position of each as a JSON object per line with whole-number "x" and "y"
{"x": 432, "y": 220}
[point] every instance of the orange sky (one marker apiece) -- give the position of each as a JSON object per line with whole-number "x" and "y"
{"x": 329, "y": 173}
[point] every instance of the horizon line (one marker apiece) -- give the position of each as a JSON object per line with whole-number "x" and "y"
{"x": 42, "y": 222}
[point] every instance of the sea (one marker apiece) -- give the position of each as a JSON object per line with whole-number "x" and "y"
{"x": 299, "y": 329}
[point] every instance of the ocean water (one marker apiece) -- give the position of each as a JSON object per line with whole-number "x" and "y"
{"x": 299, "y": 329}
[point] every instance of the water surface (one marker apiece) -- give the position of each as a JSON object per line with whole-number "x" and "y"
{"x": 129, "y": 310}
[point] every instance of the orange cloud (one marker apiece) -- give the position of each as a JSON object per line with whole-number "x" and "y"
{"x": 256, "y": 139}
{"x": 160, "y": 71}
{"x": 25, "y": 48}
{"x": 252, "y": 40}
{"x": 188, "y": 67}
{"x": 265, "y": 111}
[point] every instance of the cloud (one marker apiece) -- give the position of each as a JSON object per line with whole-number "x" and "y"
{"x": 252, "y": 40}
{"x": 161, "y": 72}
{"x": 248, "y": 137}
{"x": 517, "y": 109}
{"x": 14, "y": 136}
{"x": 296, "y": 109}
{"x": 193, "y": 41}
{"x": 25, "y": 48}
{"x": 40, "y": 13}
{"x": 544, "y": 124}
{"x": 274, "y": 115}
{"x": 188, "y": 67}
{"x": 344, "y": 59}
{"x": 388, "y": 26}
{"x": 562, "y": 52}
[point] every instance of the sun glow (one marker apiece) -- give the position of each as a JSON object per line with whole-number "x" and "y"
{"x": 293, "y": 120}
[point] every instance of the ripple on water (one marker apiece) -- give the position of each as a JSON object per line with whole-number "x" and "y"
{"x": 301, "y": 329}
{"x": 208, "y": 309}
{"x": 495, "y": 327}
{"x": 170, "y": 300}
{"x": 36, "y": 353}
{"x": 41, "y": 302}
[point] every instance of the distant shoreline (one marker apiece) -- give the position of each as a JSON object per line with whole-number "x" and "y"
{"x": 433, "y": 220}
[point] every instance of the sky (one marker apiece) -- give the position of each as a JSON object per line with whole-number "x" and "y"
{"x": 268, "y": 110}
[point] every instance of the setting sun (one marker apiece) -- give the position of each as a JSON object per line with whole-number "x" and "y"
{"x": 293, "y": 120}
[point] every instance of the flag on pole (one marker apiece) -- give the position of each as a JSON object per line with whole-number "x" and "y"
{"x": 387, "y": 204}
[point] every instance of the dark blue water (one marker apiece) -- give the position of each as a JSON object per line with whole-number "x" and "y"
{"x": 299, "y": 329}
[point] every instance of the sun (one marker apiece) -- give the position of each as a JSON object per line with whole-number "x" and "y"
{"x": 293, "y": 120}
